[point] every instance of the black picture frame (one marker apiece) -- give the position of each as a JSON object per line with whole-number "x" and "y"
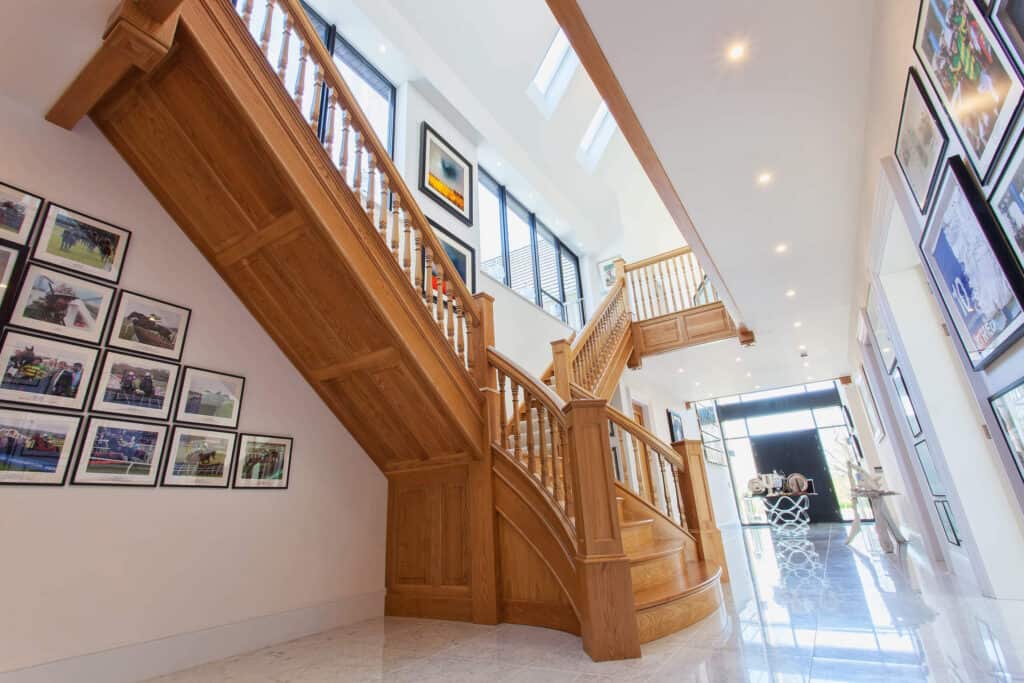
{"x": 945, "y": 513}
{"x": 138, "y": 348}
{"x": 675, "y": 425}
{"x": 445, "y": 236}
{"x": 464, "y": 215}
{"x": 238, "y": 463}
{"x": 913, "y": 79}
{"x": 1012, "y": 32}
{"x": 170, "y": 402}
{"x": 84, "y": 385}
{"x": 42, "y": 255}
{"x": 71, "y": 448}
{"x": 41, "y": 327}
{"x": 906, "y": 403}
{"x": 988, "y": 160}
{"x": 958, "y": 177}
{"x": 159, "y": 454}
{"x": 931, "y": 476}
{"x": 169, "y": 456}
{"x": 1012, "y": 435}
{"x": 24, "y": 236}
{"x": 182, "y": 398}
{"x": 10, "y": 276}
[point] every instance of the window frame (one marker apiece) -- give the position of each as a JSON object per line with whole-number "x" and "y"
{"x": 504, "y": 197}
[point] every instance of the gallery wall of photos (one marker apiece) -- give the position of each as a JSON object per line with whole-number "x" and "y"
{"x": 968, "y": 84}
{"x": 93, "y": 390}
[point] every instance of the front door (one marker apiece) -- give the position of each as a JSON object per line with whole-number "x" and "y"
{"x": 791, "y": 452}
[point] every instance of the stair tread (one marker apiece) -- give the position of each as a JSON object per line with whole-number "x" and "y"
{"x": 660, "y": 547}
{"x": 692, "y": 577}
{"x": 636, "y": 522}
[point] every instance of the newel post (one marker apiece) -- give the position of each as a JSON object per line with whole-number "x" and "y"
{"x": 696, "y": 496}
{"x": 561, "y": 350}
{"x": 605, "y": 590}
{"x": 482, "y": 536}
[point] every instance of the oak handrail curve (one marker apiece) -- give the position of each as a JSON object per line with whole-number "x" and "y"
{"x": 642, "y": 433}
{"x": 396, "y": 183}
{"x": 657, "y": 258}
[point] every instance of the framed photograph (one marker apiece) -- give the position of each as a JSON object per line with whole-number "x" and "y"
{"x": 981, "y": 99}
{"x": 975, "y": 273}
{"x": 1008, "y": 405}
{"x": 264, "y": 462}
{"x": 45, "y": 372}
{"x": 931, "y": 475}
{"x": 61, "y": 304}
{"x": 120, "y": 452}
{"x": 462, "y": 256}
{"x": 210, "y": 398}
{"x": 710, "y": 432}
{"x": 199, "y": 458}
{"x": 948, "y": 524}
{"x": 81, "y": 243}
{"x": 920, "y": 141}
{"x": 1007, "y": 201}
{"x": 35, "y": 447}
{"x": 445, "y": 175}
{"x": 675, "y": 426}
{"x": 9, "y": 257}
{"x": 1008, "y": 18}
{"x": 133, "y": 385}
{"x": 606, "y": 273}
{"x": 883, "y": 340}
{"x": 906, "y": 404}
{"x": 146, "y": 325}
{"x": 867, "y": 397}
{"x": 18, "y": 213}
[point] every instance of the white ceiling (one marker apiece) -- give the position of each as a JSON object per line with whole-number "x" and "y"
{"x": 797, "y": 107}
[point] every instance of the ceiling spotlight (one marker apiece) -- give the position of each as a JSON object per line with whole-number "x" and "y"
{"x": 736, "y": 52}
{"x": 806, "y": 364}
{"x": 739, "y": 359}
{"x": 803, "y": 347}
{"x": 790, "y": 293}
{"x": 798, "y": 324}
{"x": 696, "y": 384}
{"x": 781, "y": 248}
{"x": 680, "y": 371}
{"x": 383, "y": 48}
{"x": 764, "y": 178}
{"x": 750, "y": 374}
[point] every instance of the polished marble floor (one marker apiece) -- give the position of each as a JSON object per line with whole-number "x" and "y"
{"x": 805, "y": 609}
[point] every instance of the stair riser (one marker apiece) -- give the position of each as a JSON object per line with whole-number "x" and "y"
{"x": 637, "y": 538}
{"x": 657, "y": 570}
{"x": 662, "y": 620}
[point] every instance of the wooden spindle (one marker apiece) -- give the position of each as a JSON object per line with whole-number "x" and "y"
{"x": 531, "y": 453}
{"x": 357, "y": 183}
{"x": 332, "y": 108}
{"x": 384, "y": 215}
{"x": 268, "y": 20}
{"x": 420, "y": 258}
{"x": 558, "y": 463}
{"x": 460, "y": 324}
{"x": 247, "y": 7}
{"x": 515, "y": 417}
{"x": 282, "y": 60}
{"x": 300, "y": 76}
{"x": 503, "y": 409}
{"x": 449, "y": 299}
{"x": 371, "y": 185}
{"x": 543, "y": 424}
{"x": 345, "y": 127}
{"x": 664, "y": 486}
{"x": 437, "y": 282}
{"x": 319, "y": 92}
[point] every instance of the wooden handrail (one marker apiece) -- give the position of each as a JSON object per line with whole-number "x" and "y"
{"x": 649, "y": 438}
{"x": 516, "y": 372}
{"x": 651, "y": 260}
{"x": 666, "y": 284}
{"x": 396, "y": 183}
{"x": 669, "y": 499}
{"x": 588, "y": 329}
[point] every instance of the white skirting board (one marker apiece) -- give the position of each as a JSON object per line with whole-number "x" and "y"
{"x": 132, "y": 663}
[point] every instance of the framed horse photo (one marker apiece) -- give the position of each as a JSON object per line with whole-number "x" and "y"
{"x": 199, "y": 458}
{"x": 81, "y": 243}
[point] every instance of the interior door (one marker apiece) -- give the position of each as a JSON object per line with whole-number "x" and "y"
{"x": 643, "y": 461}
{"x": 791, "y": 452}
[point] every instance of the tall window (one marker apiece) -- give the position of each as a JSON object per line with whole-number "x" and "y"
{"x": 520, "y": 252}
{"x": 373, "y": 92}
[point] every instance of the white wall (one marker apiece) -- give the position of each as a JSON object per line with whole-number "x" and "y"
{"x": 86, "y": 569}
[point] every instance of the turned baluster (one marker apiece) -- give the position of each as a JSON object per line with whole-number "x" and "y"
{"x": 449, "y": 298}
{"x": 558, "y": 463}
{"x": 357, "y": 183}
{"x": 568, "y": 483}
{"x": 664, "y": 486}
{"x": 300, "y": 77}
{"x": 332, "y": 106}
{"x": 345, "y": 126}
{"x": 268, "y": 20}
{"x": 419, "y": 257}
{"x": 371, "y": 189}
{"x": 460, "y": 324}
{"x": 247, "y": 6}
{"x": 642, "y": 293}
{"x": 437, "y": 282}
{"x": 691, "y": 275}
{"x": 319, "y": 92}
{"x": 670, "y": 294}
{"x": 282, "y": 61}
{"x": 383, "y": 216}
{"x": 543, "y": 423}
{"x": 515, "y": 417}
{"x": 405, "y": 260}
{"x": 675, "y": 495}
{"x": 531, "y": 453}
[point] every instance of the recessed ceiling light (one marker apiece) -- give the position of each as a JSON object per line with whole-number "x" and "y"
{"x": 736, "y": 52}
{"x": 781, "y": 248}
{"x": 750, "y": 374}
{"x": 790, "y": 293}
{"x": 798, "y": 324}
{"x": 696, "y": 384}
{"x": 739, "y": 359}
{"x": 806, "y": 364}
{"x": 764, "y": 178}
{"x": 803, "y": 347}
{"x": 383, "y": 48}
{"x": 680, "y": 371}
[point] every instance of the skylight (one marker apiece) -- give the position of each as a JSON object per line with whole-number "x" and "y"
{"x": 596, "y": 138}
{"x": 553, "y": 75}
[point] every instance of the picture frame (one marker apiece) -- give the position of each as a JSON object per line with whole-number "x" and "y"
{"x": 867, "y": 397}
{"x": 81, "y": 244}
{"x": 1008, "y": 20}
{"x": 119, "y": 452}
{"x": 45, "y": 372}
{"x": 606, "y": 273}
{"x": 710, "y": 432}
{"x": 883, "y": 339}
{"x": 10, "y": 262}
{"x": 138, "y": 386}
{"x": 462, "y": 256}
{"x": 445, "y": 175}
{"x": 1008, "y": 407}
{"x": 921, "y": 141}
{"x": 675, "y": 425}
{"x": 209, "y": 398}
{"x": 57, "y": 303}
{"x": 1007, "y": 203}
{"x": 199, "y": 458}
{"x": 972, "y": 268}
{"x": 906, "y": 404}
{"x": 931, "y": 475}
{"x": 19, "y": 213}
{"x": 945, "y": 513}
{"x": 149, "y": 326}
{"x": 262, "y": 462}
{"x": 983, "y": 126}
{"x": 36, "y": 446}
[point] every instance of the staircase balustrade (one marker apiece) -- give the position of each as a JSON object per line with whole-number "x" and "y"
{"x": 659, "y": 484}
{"x": 667, "y": 283}
{"x": 294, "y": 50}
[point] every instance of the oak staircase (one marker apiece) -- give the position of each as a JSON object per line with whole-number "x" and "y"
{"x": 503, "y": 502}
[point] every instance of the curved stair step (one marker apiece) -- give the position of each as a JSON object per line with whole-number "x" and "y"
{"x": 681, "y": 600}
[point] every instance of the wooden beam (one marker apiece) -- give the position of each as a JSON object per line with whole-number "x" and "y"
{"x": 584, "y": 42}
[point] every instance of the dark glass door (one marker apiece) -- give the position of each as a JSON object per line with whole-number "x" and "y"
{"x": 791, "y": 452}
